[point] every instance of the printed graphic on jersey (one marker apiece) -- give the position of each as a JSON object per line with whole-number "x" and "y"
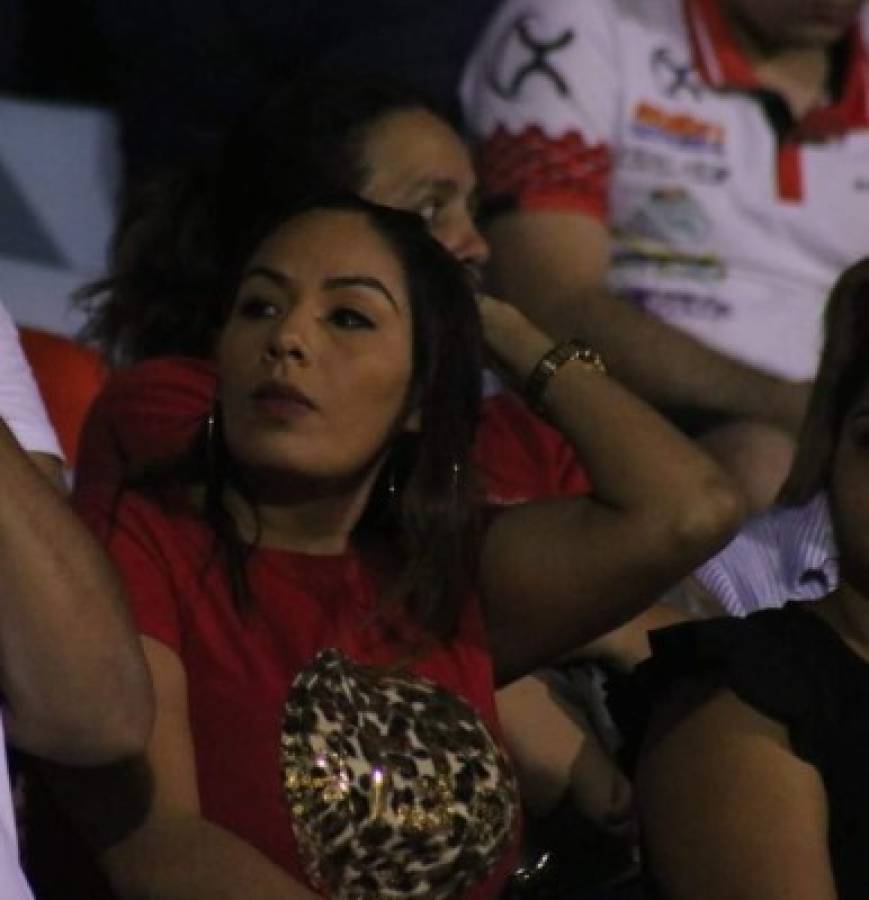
{"x": 638, "y": 158}
{"x": 673, "y": 77}
{"x": 678, "y": 304}
{"x": 638, "y": 258}
{"x": 523, "y": 53}
{"x": 671, "y": 216}
{"x": 677, "y": 129}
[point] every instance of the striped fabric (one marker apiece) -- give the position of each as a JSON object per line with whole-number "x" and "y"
{"x": 786, "y": 554}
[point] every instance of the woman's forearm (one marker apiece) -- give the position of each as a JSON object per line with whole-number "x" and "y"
{"x": 636, "y": 460}
{"x": 192, "y": 859}
{"x": 559, "y": 573}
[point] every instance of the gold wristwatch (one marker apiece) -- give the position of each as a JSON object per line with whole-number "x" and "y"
{"x": 572, "y": 350}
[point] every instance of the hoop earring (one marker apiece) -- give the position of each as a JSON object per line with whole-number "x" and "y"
{"x": 457, "y": 475}
{"x": 391, "y": 486}
{"x": 211, "y": 443}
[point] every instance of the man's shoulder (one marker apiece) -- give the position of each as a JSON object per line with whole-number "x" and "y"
{"x": 536, "y": 56}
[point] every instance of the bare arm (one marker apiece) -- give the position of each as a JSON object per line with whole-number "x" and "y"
{"x": 74, "y": 682}
{"x": 559, "y": 573}
{"x": 176, "y": 854}
{"x": 51, "y": 467}
{"x": 553, "y": 267}
{"x": 729, "y": 812}
{"x": 554, "y": 749}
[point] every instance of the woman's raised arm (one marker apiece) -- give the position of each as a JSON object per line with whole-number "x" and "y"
{"x": 558, "y": 573}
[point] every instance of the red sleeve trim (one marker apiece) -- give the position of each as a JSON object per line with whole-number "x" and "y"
{"x": 535, "y": 171}
{"x": 564, "y": 201}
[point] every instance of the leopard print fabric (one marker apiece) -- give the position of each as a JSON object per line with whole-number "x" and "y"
{"x": 395, "y": 787}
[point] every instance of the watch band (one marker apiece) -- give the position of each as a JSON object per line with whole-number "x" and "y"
{"x": 572, "y": 350}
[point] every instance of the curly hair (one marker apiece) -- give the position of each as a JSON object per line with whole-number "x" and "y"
{"x": 160, "y": 295}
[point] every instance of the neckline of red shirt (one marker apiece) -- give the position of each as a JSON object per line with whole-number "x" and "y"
{"x": 723, "y": 63}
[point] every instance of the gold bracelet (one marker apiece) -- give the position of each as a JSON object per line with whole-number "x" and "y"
{"x": 568, "y": 351}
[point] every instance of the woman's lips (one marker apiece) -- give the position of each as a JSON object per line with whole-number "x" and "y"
{"x": 281, "y": 401}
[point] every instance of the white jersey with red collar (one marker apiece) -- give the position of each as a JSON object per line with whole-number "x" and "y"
{"x": 646, "y": 114}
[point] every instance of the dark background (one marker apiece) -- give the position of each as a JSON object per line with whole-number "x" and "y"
{"x": 178, "y": 71}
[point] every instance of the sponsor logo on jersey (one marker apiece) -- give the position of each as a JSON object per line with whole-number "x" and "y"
{"x": 639, "y": 158}
{"x": 639, "y": 257}
{"x": 670, "y": 215}
{"x": 681, "y": 130}
{"x": 671, "y": 304}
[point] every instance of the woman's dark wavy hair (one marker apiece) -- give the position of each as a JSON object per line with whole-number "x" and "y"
{"x": 160, "y": 296}
{"x": 842, "y": 374}
{"x": 430, "y": 516}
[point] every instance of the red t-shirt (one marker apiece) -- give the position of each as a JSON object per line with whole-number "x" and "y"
{"x": 151, "y": 410}
{"x": 239, "y": 669}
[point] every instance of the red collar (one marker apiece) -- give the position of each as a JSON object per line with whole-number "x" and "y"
{"x": 723, "y": 63}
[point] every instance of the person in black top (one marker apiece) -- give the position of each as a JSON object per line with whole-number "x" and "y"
{"x": 750, "y": 735}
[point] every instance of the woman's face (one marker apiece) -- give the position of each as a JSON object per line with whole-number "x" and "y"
{"x": 315, "y": 360}
{"x": 416, "y": 162}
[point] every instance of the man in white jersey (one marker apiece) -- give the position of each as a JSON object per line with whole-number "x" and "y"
{"x": 706, "y": 160}
{"x": 72, "y": 678}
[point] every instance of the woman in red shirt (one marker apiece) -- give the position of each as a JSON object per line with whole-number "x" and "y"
{"x": 325, "y": 612}
{"x": 389, "y": 144}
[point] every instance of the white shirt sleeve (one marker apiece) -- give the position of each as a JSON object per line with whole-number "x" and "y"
{"x": 541, "y": 94}
{"x": 553, "y": 64}
{"x": 20, "y": 403}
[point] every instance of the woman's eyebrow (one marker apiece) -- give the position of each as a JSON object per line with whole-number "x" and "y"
{"x": 367, "y": 281}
